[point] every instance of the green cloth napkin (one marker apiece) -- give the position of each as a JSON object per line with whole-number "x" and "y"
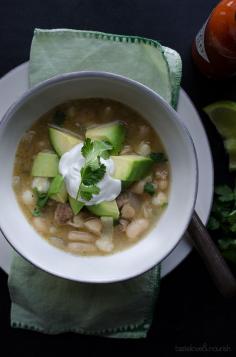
{"x": 43, "y": 302}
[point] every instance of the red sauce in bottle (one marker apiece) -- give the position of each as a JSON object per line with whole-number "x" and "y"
{"x": 214, "y": 48}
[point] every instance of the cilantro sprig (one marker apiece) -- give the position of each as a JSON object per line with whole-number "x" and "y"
{"x": 223, "y": 220}
{"x": 43, "y": 197}
{"x": 41, "y": 201}
{"x": 93, "y": 170}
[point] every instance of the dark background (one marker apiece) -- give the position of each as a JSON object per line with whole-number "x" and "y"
{"x": 189, "y": 311}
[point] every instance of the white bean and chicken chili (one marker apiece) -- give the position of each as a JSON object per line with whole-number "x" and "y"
{"x": 91, "y": 176}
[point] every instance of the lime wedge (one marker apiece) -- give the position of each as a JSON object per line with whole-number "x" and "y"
{"x": 223, "y": 116}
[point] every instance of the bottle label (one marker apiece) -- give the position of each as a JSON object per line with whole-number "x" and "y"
{"x": 200, "y": 42}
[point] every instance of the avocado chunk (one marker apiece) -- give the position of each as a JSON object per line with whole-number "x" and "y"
{"x": 131, "y": 167}
{"x": 114, "y": 133}
{"x": 62, "y": 141}
{"x": 76, "y": 206}
{"x": 57, "y": 190}
{"x": 45, "y": 165}
{"x": 106, "y": 209}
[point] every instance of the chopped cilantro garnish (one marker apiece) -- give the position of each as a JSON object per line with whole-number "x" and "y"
{"x": 41, "y": 201}
{"x": 149, "y": 188}
{"x": 91, "y": 177}
{"x": 93, "y": 170}
{"x": 158, "y": 157}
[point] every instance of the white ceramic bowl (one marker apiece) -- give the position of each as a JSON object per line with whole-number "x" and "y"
{"x": 179, "y": 147}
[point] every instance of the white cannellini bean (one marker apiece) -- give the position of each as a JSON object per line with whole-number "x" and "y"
{"x": 162, "y": 185}
{"x": 28, "y": 197}
{"x": 147, "y": 210}
{"x": 144, "y": 149}
{"x": 94, "y": 225}
{"x": 52, "y": 230}
{"x": 159, "y": 199}
{"x": 104, "y": 245}
{"x": 107, "y": 113}
{"x": 58, "y": 242}
{"x": 81, "y": 248}
{"x": 15, "y": 180}
{"x": 77, "y": 221}
{"x": 28, "y": 136}
{"x": 40, "y": 224}
{"x": 161, "y": 174}
{"x": 81, "y": 236}
{"x": 41, "y": 184}
{"x": 127, "y": 211}
{"x": 136, "y": 228}
{"x": 144, "y": 130}
{"x": 127, "y": 149}
{"x": 138, "y": 187}
{"x": 105, "y": 242}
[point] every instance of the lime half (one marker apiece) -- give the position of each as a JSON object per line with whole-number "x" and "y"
{"x": 223, "y": 116}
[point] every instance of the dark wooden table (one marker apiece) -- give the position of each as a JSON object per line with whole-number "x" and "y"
{"x": 190, "y": 313}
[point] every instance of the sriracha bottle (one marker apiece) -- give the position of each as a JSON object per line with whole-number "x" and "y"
{"x": 214, "y": 48}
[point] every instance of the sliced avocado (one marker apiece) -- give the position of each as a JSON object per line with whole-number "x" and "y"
{"x": 45, "y": 165}
{"x": 61, "y": 196}
{"x": 62, "y": 141}
{"x": 106, "y": 208}
{"x": 57, "y": 190}
{"x": 76, "y": 206}
{"x": 131, "y": 167}
{"x": 114, "y": 133}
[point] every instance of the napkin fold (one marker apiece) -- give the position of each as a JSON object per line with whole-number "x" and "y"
{"x": 41, "y": 301}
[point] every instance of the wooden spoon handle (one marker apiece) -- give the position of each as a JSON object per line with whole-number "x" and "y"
{"x": 215, "y": 263}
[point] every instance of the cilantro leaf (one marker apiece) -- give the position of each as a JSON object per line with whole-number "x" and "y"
{"x": 87, "y": 192}
{"x": 91, "y": 177}
{"x": 41, "y": 201}
{"x": 232, "y": 217}
{"x": 93, "y": 170}
{"x": 213, "y": 224}
{"x": 36, "y": 212}
{"x": 87, "y": 147}
{"x": 42, "y": 198}
{"x": 91, "y": 150}
{"x": 227, "y": 243}
{"x": 225, "y": 193}
{"x": 223, "y": 220}
{"x": 233, "y": 228}
{"x": 149, "y": 188}
{"x": 158, "y": 157}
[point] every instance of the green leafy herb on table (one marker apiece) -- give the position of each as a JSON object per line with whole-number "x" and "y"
{"x": 93, "y": 170}
{"x": 223, "y": 221}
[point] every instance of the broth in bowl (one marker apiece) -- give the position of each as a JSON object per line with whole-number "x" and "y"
{"x": 91, "y": 176}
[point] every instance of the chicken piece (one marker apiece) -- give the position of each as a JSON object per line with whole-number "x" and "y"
{"x": 63, "y": 213}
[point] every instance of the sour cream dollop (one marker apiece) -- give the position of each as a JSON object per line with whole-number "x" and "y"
{"x": 70, "y": 165}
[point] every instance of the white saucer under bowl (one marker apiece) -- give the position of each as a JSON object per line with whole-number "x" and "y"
{"x": 15, "y": 83}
